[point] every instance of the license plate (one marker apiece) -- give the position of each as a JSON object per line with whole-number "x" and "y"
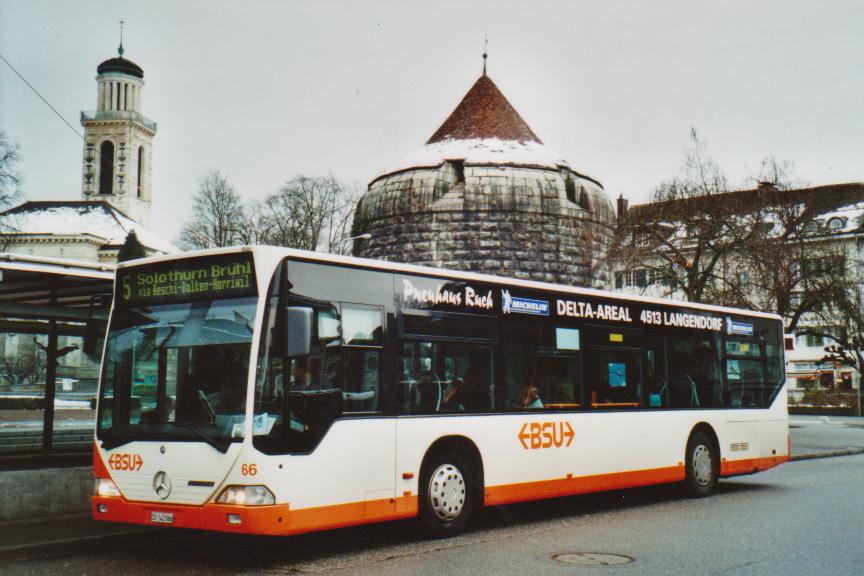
{"x": 162, "y": 517}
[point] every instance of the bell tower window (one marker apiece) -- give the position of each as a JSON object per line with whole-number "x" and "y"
{"x": 106, "y": 168}
{"x": 140, "y": 181}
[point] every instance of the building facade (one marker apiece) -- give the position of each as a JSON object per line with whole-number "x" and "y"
{"x": 828, "y": 232}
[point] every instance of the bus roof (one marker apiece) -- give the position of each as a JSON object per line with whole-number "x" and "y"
{"x": 431, "y": 271}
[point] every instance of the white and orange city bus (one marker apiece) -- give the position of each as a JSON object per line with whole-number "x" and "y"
{"x": 273, "y": 391}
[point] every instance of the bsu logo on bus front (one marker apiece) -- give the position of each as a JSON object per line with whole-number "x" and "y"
{"x": 537, "y": 435}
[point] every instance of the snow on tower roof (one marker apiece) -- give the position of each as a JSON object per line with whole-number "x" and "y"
{"x": 484, "y": 129}
{"x": 94, "y": 218}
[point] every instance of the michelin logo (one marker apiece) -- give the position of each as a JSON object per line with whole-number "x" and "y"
{"x": 741, "y": 328}
{"x": 523, "y": 305}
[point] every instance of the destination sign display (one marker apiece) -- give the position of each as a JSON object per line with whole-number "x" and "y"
{"x": 211, "y": 277}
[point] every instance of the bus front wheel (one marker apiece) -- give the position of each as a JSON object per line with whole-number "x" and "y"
{"x": 447, "y": 493}
{"x": 703, "y": 465}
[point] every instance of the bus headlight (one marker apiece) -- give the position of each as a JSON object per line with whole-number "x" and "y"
{"x": 106, "y": 487}
{"x": 246, "y": 496}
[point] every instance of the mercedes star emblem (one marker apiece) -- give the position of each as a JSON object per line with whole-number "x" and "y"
{"x": 162, "y": 485}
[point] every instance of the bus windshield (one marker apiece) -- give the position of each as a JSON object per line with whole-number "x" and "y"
{"x": 177, "y": 371}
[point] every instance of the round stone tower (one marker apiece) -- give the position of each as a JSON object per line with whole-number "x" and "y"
{"x": 484, "y": 194}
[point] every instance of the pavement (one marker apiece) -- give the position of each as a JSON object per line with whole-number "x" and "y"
{"x": 812, "y": 437}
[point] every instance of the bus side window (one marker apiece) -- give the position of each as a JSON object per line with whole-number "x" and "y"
{"x": 358, "y": 361}
{"x": 656, "y": 383}
{"x": 694, "y": 378}
{"x": 541, "y": 366}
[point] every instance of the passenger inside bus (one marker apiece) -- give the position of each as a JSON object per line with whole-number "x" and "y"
{"x": 531, "y": 397}
{"x": 658, "y": 390}
{"x": 301, "y": 376}
{"x": 454, "y": 396}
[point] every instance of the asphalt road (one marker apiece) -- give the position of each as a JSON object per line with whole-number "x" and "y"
{"x": 804, "y": 518}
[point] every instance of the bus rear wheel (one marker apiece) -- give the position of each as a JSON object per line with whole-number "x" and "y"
{"x": 702, "y": 464}
{"x": 446, "y": 493}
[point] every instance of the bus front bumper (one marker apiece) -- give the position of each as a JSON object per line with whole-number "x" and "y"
{"x": 272, "y": 520}
{"x": 276, "y": 520}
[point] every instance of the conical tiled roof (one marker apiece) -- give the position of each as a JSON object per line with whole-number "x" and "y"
{"x": 484, "y": 113}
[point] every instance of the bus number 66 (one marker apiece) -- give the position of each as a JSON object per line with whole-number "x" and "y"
{"x": 249, "y": 469}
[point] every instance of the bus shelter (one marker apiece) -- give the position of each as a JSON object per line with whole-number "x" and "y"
{"x": 53, "y": 314}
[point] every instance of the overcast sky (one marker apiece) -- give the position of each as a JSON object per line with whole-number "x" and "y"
{"x": 267, "y": 90}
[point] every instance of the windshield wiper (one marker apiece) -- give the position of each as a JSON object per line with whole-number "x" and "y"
{"x": 220, "y": 446}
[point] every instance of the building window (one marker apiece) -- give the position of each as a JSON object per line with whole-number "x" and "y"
{"x": 789, "y": 343}
{"x": 835, "y": 224}
{"x": 811, "y": 227}
{"x": 570, "y": 189}
{"x": 106, "y": 167}
{"x": 583, "y": 199}
{"x": 140, "y": 171}
{"x": 810, "y": 340}
{"x": 459, "y": 170}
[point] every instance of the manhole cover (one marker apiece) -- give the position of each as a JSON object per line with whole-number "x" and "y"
{"x": 592, "y": 559}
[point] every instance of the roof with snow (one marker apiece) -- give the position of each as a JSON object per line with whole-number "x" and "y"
{"x": 830, "y": 209}
{"x": 98, "y": 219}
{"x": 484, "y": 129}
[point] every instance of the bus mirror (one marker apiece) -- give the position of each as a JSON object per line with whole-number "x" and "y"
{"x": 93, "y": 331}
{"x": 298, "y": 335}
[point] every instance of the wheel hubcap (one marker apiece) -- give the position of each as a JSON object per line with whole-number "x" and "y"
{"x": 447, "y": 492}
{"x": 702, "y": 468}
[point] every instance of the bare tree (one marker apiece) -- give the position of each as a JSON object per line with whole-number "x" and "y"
{"x": 311, "y": 213}
{"x": 255, "y": 225}
{"x": 784, "y": 266}
{"x": 841, "y": 321}
{"x": 217, "y": 215}
{"x": 24, "y": 367}
{"x": 10, "y": 178}
{"x": 683, "y": 239}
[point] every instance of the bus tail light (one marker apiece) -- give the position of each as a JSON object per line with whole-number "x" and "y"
{"x": 105, "y": 487}
{"x": 247, "y": 496}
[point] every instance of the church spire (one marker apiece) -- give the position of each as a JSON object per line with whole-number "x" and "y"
{"x": 120, "y": 48}
{"x": 485, "y": 55}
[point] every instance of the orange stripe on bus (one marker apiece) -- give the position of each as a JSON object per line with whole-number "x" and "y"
{"x": 750, "y": 465}
{"x": 99, "y": 469}
{"x": 280, "y": 520}
{"x": 508, "y": 493}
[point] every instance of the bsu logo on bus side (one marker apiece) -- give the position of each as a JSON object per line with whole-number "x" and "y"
{"x": 536, "y": 435}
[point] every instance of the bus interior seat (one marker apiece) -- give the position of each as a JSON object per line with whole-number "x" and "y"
{"x": 683, "y": 392}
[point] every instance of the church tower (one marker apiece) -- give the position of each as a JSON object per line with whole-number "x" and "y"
{"x": 118, "y": 147}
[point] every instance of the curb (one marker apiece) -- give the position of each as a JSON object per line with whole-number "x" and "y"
{"x": 87, "y": 544}
{"x": 829, "y": 454}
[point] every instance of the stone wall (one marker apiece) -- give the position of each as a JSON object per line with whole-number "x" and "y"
{"x": 505, "y": 220}
{"x": 38, "y": 493}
